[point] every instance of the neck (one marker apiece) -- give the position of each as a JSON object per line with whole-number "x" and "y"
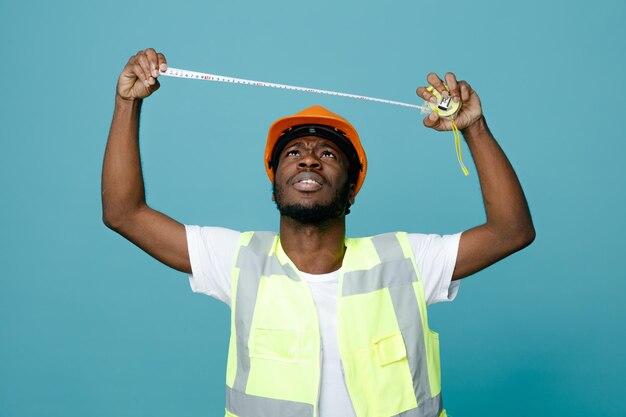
{"x": 314, "y": 248}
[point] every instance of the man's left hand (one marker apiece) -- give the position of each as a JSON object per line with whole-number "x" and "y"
{"x": 470, "y": 111}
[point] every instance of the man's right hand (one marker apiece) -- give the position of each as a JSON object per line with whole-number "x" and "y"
{"x": 139, "y": 77}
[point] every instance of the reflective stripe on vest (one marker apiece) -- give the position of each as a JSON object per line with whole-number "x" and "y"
{"x": 390, "y": 356}
{"x": 244, "y": 405}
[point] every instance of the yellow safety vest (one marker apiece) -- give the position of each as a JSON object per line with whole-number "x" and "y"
{"x": 389, "y": 356}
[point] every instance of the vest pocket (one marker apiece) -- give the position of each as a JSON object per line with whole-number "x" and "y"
{"x": 382, "y": 378}
{"x": 390, "y": 349}
{"x": 276, "y": 344}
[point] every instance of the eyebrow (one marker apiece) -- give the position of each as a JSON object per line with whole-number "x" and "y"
{"x": 326, "y": 143}
{"x": 331, "y": 145}
{"x": 293, "y": 145}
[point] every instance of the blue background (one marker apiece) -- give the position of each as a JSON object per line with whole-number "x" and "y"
{"x": 91, "y": 326}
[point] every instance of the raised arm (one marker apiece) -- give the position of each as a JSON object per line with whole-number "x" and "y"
{"x": 509, "y": 226}
{"x": 124, "y": 207}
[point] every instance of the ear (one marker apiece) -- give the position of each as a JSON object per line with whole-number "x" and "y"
{"x": 352, "y": 194}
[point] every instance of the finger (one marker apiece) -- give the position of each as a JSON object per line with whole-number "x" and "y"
{"x": 153, "y": 59}
{"x": 142, "y": 61}
{"x": 432, "y": 120}
{"x": 426, "y": 95}
{"x": 162, "y": 62}
{"x": 466, "y": 90}
{"x": 154, "y": 86}
{"x": 453, "y": 86}
{"x": 436, "y": 82}
{"x": 135, "y": 67}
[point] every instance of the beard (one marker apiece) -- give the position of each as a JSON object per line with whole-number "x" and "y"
{"x": 315, "y": 213}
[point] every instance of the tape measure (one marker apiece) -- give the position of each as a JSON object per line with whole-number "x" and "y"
{"x": 445, "y": 108}
{"x": 181, "y": 73}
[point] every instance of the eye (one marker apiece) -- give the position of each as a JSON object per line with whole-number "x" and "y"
{"x": 328, "y": 154}
{"x": 292, "y": 153}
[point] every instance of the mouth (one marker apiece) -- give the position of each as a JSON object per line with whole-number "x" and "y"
{"x": 307, "y": 181}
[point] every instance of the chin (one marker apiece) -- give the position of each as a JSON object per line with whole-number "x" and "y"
{"x": 311, "y": 213}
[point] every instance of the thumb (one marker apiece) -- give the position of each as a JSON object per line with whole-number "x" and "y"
{"x": 154, "y": 86}
{"x": 432, "y": 120}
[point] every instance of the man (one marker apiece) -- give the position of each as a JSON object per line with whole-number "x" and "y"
{"x": 322, "y": 325}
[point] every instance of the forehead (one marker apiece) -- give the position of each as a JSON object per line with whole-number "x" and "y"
{"x": 312, "y": 141}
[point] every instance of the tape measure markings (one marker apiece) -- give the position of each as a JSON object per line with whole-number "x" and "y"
{"x": 181, "y": 73}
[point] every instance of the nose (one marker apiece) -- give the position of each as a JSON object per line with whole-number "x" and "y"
{"x": 310, "y": 161}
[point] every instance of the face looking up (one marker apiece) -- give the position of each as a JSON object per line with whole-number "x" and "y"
{"x": 311, "y": 184}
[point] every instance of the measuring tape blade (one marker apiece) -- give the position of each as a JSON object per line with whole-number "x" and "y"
{"x": 181, "y": 73}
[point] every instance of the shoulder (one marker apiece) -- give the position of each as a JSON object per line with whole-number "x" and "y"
{"x": 211, "y": 232}
{"x": 425, "y": 248}
{"x": 433, "y": 243}
{"x": 211, "y": 236}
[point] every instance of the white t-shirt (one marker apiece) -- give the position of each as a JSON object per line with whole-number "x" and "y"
{"x": 212, "y": 250}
